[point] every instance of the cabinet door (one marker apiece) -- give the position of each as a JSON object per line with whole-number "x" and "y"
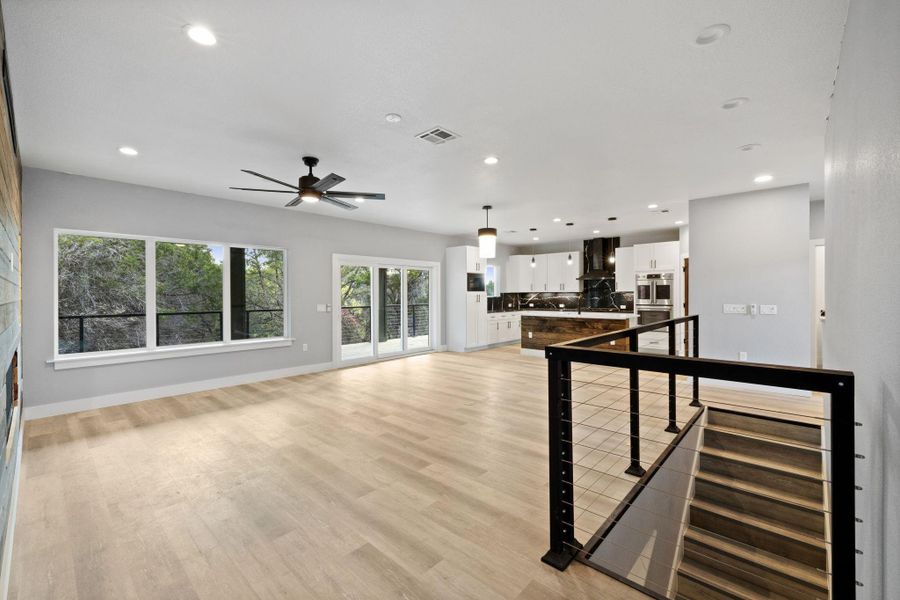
{"x": 493, "y": 331}
{"x": 572, "y": 272}
{"x": 556, "y": 266}
{"x": 540, "y": 281}
{"x": 625, "y": 269}
{"x": 511, "y": 274}
{"x": 643, "y": 257}
{"x": 472, "y": 319}
{"x": 474, "y": 263}
{"x": 481, "y": 321}
{"x": 665, "y": 256}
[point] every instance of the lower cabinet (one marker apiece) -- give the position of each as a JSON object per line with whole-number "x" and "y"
{"x": 503, "y": 328}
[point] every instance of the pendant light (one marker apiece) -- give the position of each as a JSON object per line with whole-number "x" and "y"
{"x": 487, "y": 237}
{"x": 533, "y": 263}
{"x": 569, "y": 259}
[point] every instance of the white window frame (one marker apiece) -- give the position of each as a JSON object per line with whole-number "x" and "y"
{"x": 373, "y": 263}
{"x": 151, "y": 351}
{"x": 496, "y": 270}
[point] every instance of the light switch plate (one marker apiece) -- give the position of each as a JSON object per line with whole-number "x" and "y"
{"x": 321, "y": 308}
{"x": 734, "y": 309}
{"x": 768, "y": 309}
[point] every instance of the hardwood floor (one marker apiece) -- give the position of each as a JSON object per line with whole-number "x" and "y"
{"x": 424, "y": 477}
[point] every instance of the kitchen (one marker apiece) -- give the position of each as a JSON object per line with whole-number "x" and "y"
{"x": 541, "y": 298}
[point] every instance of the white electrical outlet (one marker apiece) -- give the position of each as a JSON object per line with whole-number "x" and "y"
{"x": 530, "y": 335}
{"x": 531, "y": 304}
{"x": 742, "y": 356}
{"x": 321, "y": 308}
{"x": 734, "y": 309}
{"x": 752, "y": 309}
{"x": 562, "y": 305}
{"x": 305, "y": 347}
{"x": 768, "y": 309}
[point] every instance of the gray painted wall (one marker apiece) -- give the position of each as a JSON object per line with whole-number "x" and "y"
{"x": 817, "y": 220}
{"x": 752, "y": 248}
{"x": 862, "y": 229}
{"x": 57, "y": 200}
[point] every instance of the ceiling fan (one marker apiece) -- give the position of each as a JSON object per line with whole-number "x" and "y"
{"x": 312, "y": 189}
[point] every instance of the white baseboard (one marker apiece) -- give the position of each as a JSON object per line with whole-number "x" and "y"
{"x": 52, "y": 409}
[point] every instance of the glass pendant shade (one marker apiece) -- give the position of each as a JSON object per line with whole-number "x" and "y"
{"x": 487, "y": 242}
{"x": 533, "y": 264}
{"x": 569, "y": 260}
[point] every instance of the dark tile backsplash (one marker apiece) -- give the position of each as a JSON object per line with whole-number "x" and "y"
{"x": 598, "y": 295}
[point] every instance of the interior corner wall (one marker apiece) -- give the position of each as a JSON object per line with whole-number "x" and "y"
{"x": 862, "y": 250}
{"x": 56, "y": 200}
{"x": 752, "y": 248}
{"x": 817, "y": 220}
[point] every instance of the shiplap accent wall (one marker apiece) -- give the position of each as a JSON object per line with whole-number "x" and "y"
{"x": 10, "y": 314}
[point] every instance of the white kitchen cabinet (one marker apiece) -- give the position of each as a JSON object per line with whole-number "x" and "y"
{"x": 572, "y": 272}
{"x": 625, "y": 269}
{"x": 556, "y": 272}
{"x": 662, "y": 256}
{"x": 466, "y": 311}
{"x": 518, "y": 274}
{"x": 550, "y": 273}
{"x": 539, "y": 280}
{"x": 474, "y": 263}
{"x": 503, "y": 327}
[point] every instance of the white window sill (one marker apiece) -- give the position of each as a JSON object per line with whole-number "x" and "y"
{"x": 96, "y": 359}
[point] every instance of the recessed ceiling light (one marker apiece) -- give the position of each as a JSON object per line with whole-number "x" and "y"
{"x": 712, "y": 34}
{"x": 360, "y": 199}
{"x": 764, "y": 178}
{"x": 128, "y": 151}
{"x": 491, "y": 160}
{"x": 679, "y": 222}
{"x": 556, "y": 219}
{"x": 652, "y": 206}
{"x": 748, "y": 147}
{"x": 596, "y": 231}
{"x": 535, "y": 238}
{"x": 735, "y": 102}
{"x": 201, "y": 35}
{"x": 393, "y": 118}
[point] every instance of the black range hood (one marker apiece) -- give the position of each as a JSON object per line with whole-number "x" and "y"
{"x": 599, "y": 258}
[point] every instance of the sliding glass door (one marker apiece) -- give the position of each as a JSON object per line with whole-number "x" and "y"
{"x": 385, "y": 310}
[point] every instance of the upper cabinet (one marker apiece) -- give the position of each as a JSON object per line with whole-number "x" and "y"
{"x": 625, "y": 262}
{"x": 662, "y": 256}
{"x": 474, "y": 263}
{"x": 548, "y": 273}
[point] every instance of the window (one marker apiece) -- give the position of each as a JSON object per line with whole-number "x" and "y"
{"x": 101, "y": 296}
{"x": 490, "y": 281}
{"x": 188, "y": 293}
{"x": 356, "y": 311}
{"x": 106, "y": 283}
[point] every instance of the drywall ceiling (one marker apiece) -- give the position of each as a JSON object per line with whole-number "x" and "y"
{"x": 595, "y": 108}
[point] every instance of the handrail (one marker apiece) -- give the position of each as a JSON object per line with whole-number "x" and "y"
{"x": 839, "y": 384}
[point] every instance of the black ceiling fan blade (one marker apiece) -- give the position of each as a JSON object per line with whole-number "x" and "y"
{"x": 366, "y": 195}
{"x": 272, "y": 179}
{"x": 328, "y": 182}
{"x": 295, "y": 201}
{"x": 341, "y": 203}
{"x": 262, "y": 190}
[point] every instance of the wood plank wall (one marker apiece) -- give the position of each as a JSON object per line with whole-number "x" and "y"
{"x": 10, "y": 301}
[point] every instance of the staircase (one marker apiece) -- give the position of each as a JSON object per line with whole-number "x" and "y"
{"x": 757, "y": 527}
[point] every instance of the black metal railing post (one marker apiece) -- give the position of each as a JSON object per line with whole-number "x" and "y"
{"x": 843, "y": 490}
{"x": 563, "y": 545}
{"x": 634, "y": 407}
{"x": 157, "y": 329}
{"x": 673, "y": 415}
{"x": 81, "y": 334}
{"x": 695, "y": 401}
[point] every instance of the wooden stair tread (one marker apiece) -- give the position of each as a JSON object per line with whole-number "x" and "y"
{"x": 760, "y": 490}
{"x": 761, "y": 462}
{"x": 779, "y": 564}
{"x": 770, "y": 438}
{"x": 760, "y": 523}
{"x": 728, "y": 586}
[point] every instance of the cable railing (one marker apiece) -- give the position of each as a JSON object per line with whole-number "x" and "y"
{"x": 160, "y": 333}
{"x": 674, "y": 489}
{"x": 356, "y": 321}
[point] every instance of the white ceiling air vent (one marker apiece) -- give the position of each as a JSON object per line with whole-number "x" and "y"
{"x": 437, "y": 135}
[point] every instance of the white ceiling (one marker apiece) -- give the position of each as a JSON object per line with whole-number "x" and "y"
{"x": 595, "y": 108}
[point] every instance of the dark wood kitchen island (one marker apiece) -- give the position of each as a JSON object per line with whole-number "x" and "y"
{"x": 545, "y": 328}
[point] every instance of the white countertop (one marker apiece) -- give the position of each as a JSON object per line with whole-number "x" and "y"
{"x": 612, "y": 316}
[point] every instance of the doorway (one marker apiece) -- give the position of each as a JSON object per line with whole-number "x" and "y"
{"x": 382, "y": 309}
{"x": 818, "y": 300}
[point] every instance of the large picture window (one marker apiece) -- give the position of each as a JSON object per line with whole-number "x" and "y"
{"x": 197, "y": 294}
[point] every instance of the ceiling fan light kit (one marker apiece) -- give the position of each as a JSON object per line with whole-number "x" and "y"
{"x": 311, "y": 189}
{"x": 487, "y": 237}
